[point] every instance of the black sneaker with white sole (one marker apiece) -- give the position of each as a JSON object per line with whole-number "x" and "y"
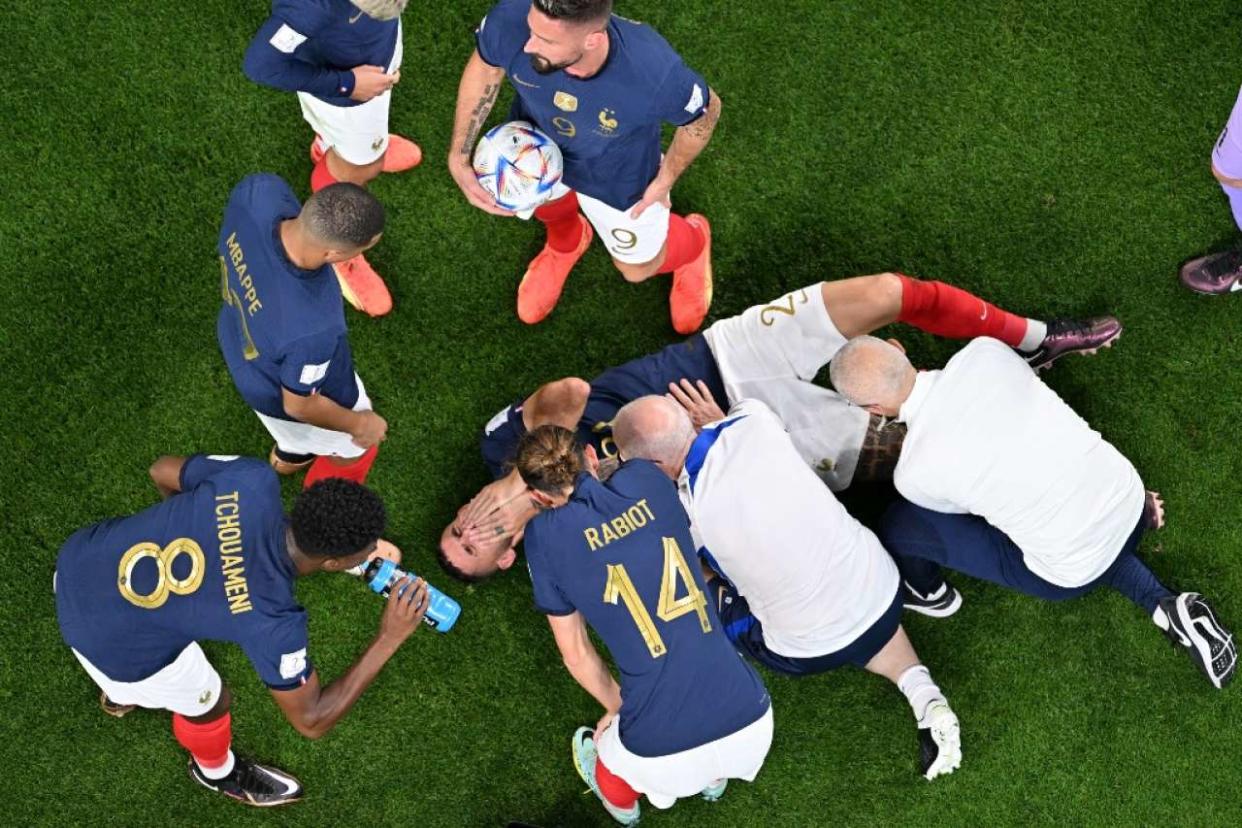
{"x": 940, "y": 604}
{"x": 252, "y": 784}
{"x": 1192, "y": 624}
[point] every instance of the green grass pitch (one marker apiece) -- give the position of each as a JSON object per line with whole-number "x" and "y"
{"x": 1051, "y": 156}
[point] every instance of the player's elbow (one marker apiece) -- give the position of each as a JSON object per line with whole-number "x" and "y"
{"x": 312, "y": 728}
{"x": 295, "y": 405}
{"x": 568, "y": 393}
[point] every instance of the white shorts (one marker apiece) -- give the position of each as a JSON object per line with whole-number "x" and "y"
{"x": 632, "y": 241}
{"x": 1227, "y": 154}
{"x": 359, "y": 134}
{"x": 189, "y": 686}
{"x": 665, "y": 779}
{"x": 293, "y": 437}
{"x": 772, "y": 353}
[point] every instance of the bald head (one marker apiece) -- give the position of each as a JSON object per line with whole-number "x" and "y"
{"x": 654, "y": 428}
{"x": 874, "y": 374}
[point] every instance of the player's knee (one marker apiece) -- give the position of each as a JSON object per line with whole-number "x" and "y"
{"x": 634, "y": 273}
{"x": 222, "y": 705}
{"x": 887, "y": 288}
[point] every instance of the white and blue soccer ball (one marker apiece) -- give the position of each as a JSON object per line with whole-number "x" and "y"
{"x": 518, "y": 165}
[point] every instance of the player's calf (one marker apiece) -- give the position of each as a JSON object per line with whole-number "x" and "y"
{"x": 586, "y": 762}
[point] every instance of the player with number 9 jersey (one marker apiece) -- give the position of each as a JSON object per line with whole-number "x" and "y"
{"x": 601, "y": 87}
{"x": 618, "y": 556}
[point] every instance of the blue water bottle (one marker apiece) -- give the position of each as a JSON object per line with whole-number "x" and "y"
{"x": 382, "y": 574}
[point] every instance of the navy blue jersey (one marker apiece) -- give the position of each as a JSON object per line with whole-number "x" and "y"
{"x": 620, "y": 553}
{"x": 312, "y": 46}
{"x": 651, "y": 374}
{"x": 608, "y": 125}
{"x": 210, "y": 563}
{"x": 280, "y": 326}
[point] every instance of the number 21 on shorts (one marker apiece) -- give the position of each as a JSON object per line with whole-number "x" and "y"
{"x": 619, "y": 586}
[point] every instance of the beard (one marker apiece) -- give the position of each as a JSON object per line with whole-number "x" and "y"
{"x": 546, "y": 67}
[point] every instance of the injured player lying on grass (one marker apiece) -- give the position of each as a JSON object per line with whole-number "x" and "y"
{"x": 771, "y": 353}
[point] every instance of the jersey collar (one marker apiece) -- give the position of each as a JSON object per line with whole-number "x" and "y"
{"x": 923, "y": 383}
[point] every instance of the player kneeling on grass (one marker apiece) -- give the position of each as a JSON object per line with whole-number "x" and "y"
{"x": 343, "y": 59}
{"x": 1004, "y": 481}
{"x": 801, "y": 586}
{"x": 601, "y": 87}
{"x": 216, "y": 561}
{"x": 689, "y": 714}
{"x": 282, "y": 327}
{"x": 770, "y": 352}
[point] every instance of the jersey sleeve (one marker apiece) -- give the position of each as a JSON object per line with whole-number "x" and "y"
{"x": 682, "y": 97}
{"x": 279, "y": 652}
{"x": 305, "y": 364}
{"x": 549, "y": 599}
{"x": 201, "y": 467}
{"x": 500, "y": 438}
{"x": 503, "y": 33}
{"x": 272, "y": 59}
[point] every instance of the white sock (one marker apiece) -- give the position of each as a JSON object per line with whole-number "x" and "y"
{"x": 1160, "y": 618}
{"x": 1036, "y": 331}
{"x": 920, "y": 690}
{"x": 220, "y": 772}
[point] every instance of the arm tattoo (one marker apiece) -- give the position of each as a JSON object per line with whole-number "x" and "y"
{"x": 478, "y": 116}
{"x": 704, "y": 126}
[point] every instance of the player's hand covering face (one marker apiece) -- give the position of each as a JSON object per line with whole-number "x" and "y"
{"x": 475, "y": 555}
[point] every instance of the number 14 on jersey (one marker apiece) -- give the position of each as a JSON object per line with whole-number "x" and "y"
{"x": 619, "y": 586}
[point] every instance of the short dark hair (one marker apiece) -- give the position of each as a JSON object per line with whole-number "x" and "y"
{"x": 336, "y": 518}
{"x": 344, "y": 214}
{"x": 576, "y": 11}
{"x": 453, "y": 572}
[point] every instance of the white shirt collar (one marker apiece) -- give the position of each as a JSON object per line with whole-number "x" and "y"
{"x": 923, "y": 382}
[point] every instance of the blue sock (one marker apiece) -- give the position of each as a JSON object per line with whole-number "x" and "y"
{"x": 1235, "y": 203}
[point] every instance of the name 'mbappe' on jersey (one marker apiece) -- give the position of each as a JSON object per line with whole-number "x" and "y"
{"x": 620, "y": 553}
{"x": 280, "y": 326}
{"x": 607, "y": 126}
{"x": 211, "y": 563}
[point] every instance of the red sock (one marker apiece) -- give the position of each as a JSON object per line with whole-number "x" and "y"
{"x": 207, "y": 742}
{"x": 615, "y": 789}
{"x": 325, "y": 467}
{"x": 951, "y": 312}
{"x": 684, "y": 244}
{"x": 560, "y": 217}
{"x": 320, "y": 176}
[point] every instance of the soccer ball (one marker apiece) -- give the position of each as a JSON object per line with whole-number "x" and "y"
{"x": 518, "y": 165}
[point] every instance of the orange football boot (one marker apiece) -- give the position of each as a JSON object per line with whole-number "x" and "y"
{"x": 362, "y": 287}
{"x": 403, "y": 154}
{"x": 541, "y": 286}
{"x": 691, "y": 296}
